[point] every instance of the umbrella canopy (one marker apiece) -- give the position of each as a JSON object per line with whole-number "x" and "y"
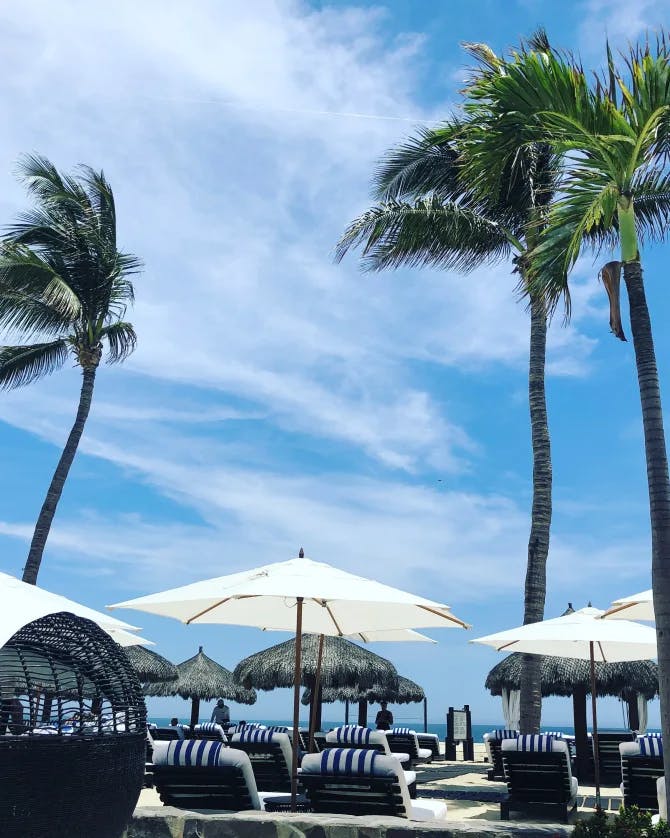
{"x": 201, "y": 677}
{"x": 23, "y": 603}
{"x": 398, "y": 636}
{"x": 343, "y": 664}
{"x": 561, "y": 676}
{"x": 578, "y": 635}
{"x": 636, "y": 607}
{"x": 151, "y": 668}
{"x": 333, "y": 601}
{"x": 407, "y": 692}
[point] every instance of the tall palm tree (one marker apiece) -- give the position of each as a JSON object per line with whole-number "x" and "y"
{"x": 65, "y": 284}
{"x": 614, "y": 137}
{"x": 428, "y": 214}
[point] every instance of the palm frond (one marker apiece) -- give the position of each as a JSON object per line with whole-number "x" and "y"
{"x": 30, "y": 316}
{"x": 121, "y": 340}
{"x": 651, "y": 190}
{"x": 425, "y": 233}
{"x": 21, "y": 365}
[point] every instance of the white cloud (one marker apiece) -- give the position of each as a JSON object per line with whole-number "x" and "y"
{"x": 620, "y": 21}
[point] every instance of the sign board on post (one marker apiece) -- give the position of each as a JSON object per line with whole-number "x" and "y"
{"x": 459, "y": 730}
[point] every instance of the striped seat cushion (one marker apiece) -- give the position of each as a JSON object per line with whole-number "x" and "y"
{"x": 278, "y": 729}
{"x": 540, "y": 742}
{"x": 190, "y": 752}
{"x": 650, "y": 746}
{"x": 353, "y": 735}
{"x": 256, "y": 735}
{"x": 403, "y": 730}
{"x": 348, "y": 761}
{"x": 505, "y": 734}
{"x": 208, "y": 727}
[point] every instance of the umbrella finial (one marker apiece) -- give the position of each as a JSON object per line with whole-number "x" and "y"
{"x": 301, "y": 554}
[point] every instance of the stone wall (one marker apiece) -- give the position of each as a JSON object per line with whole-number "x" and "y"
{"x": 166, "y": 822}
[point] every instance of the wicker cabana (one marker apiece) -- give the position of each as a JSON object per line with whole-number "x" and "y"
{"x": 151, "y": 668}
{"x": 343, "y": 664}
{"x": 74, "y": 719}
{"x": 199, "y": 678}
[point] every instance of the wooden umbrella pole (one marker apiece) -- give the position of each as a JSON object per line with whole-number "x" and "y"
{"x": 315, "y": 695}
{"x": 296, "y": 702}
{"x": 596, "y": 750}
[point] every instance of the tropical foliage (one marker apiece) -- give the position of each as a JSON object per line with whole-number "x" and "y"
{"x": 64, "y": 290}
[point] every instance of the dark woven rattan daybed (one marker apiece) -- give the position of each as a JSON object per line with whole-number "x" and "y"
{"x": 74, "y": 723}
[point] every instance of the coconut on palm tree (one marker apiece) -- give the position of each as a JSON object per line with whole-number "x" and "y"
{"x": 64, "y": 289}
{"x": 614, "y": 138}
{"x": 429, "y": 215}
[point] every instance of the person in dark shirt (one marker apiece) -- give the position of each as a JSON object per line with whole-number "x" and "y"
{"x": 221, "y": 713}
{"x": 384, "y": 718}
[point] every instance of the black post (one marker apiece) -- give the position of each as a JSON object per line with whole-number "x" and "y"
{"x": 346, "y": 712}
{"x": 633, "y": 712}
{"x": 425, "y": 714}
{"x": 583, "y": 766}
{"x": 596, "y": 749}
{"x": 363, "y": 712}
{"x": 297, "y": 673}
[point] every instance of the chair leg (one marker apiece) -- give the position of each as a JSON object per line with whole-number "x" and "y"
{"x": 504, "y": 811}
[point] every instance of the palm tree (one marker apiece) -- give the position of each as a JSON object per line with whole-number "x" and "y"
{"x": 428, "y": 214}
{"x": 64, "y": 283}
{"x": 615, "y": 189}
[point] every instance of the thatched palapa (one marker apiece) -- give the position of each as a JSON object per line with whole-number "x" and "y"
{"x": 562, "y": 676}
{"x": 202, "y": 678}
{"x": 408, "y": 692}
{"x": 150, "y": 667}
{"x": 343, "y": 664}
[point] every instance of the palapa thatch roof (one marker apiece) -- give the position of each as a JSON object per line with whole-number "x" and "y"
{"x": 151, "y": 668}
{"x": 201, "y": 677}
{"x": 407, "y": 692}
{"x": 561, "y": 675}
{"x": 343, "y": 664}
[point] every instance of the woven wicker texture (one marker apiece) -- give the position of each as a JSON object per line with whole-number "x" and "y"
{"x": 408, "y": 692}
{"x": 151, "y": 668}
{"x": 77, "y": 768}
{"x": 201, "y": 677}
{"x": 561, "y": 675}
{"x": 344, "y": 664}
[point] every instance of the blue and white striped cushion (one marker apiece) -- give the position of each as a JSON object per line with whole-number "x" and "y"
{"x": 650, "y": 746}
{"x": 348, "y": 761}
{"x": 557, "y": 734}
{"x": 256, "y": 736}
{"x": 403, "y": 730}
{"x": 208, "y": 727}
{"x": 193, "y": 752}
{"x": 541, "y": 742}
{"x": 278, "y": 729}
{"x": 353, "y": 735}
{"x": 505, "y": 734}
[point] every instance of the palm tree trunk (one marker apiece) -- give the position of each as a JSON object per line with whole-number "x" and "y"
{"x": 46, "y": 516}
{"x": 658, "y": 481}
{"x": 538, "y": 543}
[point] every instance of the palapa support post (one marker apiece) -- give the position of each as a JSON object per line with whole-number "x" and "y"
{"x": 596, "y": 750}
{"x": 346, "y": 711}
{"x": 582, "y": 745}
{"x": 363, "y": 712}
{"x": 425, "y": 714}
{"x": 296, "y": 701}
{"x": 195, "y": 710}
{"x": 633, "y": 712}
{"x": 316, "y": 695}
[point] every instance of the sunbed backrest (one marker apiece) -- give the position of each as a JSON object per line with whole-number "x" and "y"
{"x": 403, "y": 740}
{"x": 209, "y": 730}
{"x": 271, "y": 757}
{"x": 334, "y": 783}
{"x": 353, "y": 736}
{"x": 537, "y": 771}
{"x": 640, "y": 772}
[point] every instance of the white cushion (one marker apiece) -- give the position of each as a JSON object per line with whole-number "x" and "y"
{"x": 574, "y": 787}
{"x": 400, "y": 757}
{"x": 428, "y": 810}
{"x": 662, "y": 802}
{"x": 425, "y": 753}
{"x": 410, "y": 777}
{"x": 631, "y": 749}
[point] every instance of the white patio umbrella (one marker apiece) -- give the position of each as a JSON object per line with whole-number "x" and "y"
{"x": 635, "y": 607}
{"x": 298, "y": 595}
{"x": 583, "y": 636}
{"x": 23, "y": 603}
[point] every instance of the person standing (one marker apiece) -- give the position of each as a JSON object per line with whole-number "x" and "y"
{"x": 221, "y": 713}
{"x": 384, "y": 718}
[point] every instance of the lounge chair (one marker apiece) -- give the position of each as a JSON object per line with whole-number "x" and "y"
{"x": 538, "y": 775}
{"x": 430, "y": 741}
{"x": 201, "y": 774}
{"x": 271, "y": 758}
{"x": 403, "y": 740}
{"x": 641, "y": 766}
{"x": 609, "y": 756}
{"x": 354, "y": 736}
{"x": 165, "y": 734}
{"x": 320, "y": 740}
{"x": 353, "y": 781}
{"x": 210, "y": 730}
{"x": 492, "y": 743}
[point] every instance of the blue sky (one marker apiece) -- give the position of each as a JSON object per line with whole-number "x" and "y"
{"x": 277, "y": 400}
